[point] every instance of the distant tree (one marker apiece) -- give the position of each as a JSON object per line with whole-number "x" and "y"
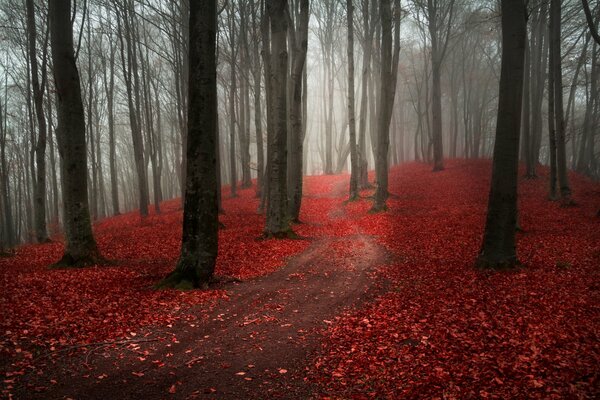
{"x": 232, "y": 97}
{"x": 199, "y": 243}
{"x": 299, "y": 41}
{"x": 439, "y": 15}
{"x": 354, "y": 161}
{"x": 127, "y": 33}
{"x": 556, "y": 91}
{"x": 80, "y": 249}
{"x": 387, "y": 87}
{"x": 39, "y": 179}
{"x": 498, "y": 249}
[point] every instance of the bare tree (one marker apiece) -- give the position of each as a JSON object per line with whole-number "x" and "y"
{"x": 498, "y": 249}
{"x": 387, "y": 93}
{"x": 80, "y": 249}
{"x": 39, "y": 180}
{"x": 199, "y": 244}
{"x": 439, "y": 15}
{"x": 299, "y": 40}
{"x": 353, "y": 191}
{"x": 278, "y": 221}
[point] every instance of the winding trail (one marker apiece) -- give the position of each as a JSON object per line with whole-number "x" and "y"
{"x": 255, "y": 344}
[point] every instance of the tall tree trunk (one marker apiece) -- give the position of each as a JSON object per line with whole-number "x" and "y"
{"x": 561, "y": 148}
{"x": 387, "y": 93}
{"x": 8, "y": 225}
{"x": 277, "y": 224}
{"x": 131, "y": 82}
{"x": 232, "y": 95}
{"x": 498, "y": 249}
{"x": 199, "y": 242}
{"x": 300, "y": 43}
{"x": 80, "y": 249}
{"x": 109, "y": 86}
{"x": 367, "y": 45}
{"x": 383, "y": 121}
{"x": 552, "y": 116}
{"x": 39, "y": 179}
{"x": 354, "y": 162}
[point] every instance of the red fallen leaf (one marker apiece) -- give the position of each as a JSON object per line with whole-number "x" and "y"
{"x": 283, "y": 371}
{"x": 102, "y": 376}
{"x": 537, "y": 383}
{"x": 241, "y": 373}
{"x": 138, "y": 374}
{"x": 173, "y": 389}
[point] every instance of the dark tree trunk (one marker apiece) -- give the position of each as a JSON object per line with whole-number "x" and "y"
{"x": 199, "y": 244}
{"x": 232, "y": 95}
{"x": 80, "y": 249}
{"x": 498, "y": 249}
{"x": 557, "y": 91}
{"x": 387, "y": 92}
{"x": 278, "y": 223}
{"x": 300, "y": 43}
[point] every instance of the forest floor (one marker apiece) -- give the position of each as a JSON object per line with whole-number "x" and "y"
{"x": 364, "y": 305}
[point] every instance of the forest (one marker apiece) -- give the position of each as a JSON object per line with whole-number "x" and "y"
{"x": 300, "y": 199}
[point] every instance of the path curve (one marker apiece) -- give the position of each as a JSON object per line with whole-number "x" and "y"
{"x": 255, "y": 344}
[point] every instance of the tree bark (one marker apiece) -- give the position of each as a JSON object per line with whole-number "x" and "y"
{"x": 387, "y": 92}
{"x": 80, "y": 249}
{"x": 278, "y": 223}
{"x": 39, "y": 179}
{"x": 199, "y": 243}
{"x": 354, "y": 162}
{"x": 300, "y": 43}
{"x": 557, "y": 91}
{"x": 498, "y": 249}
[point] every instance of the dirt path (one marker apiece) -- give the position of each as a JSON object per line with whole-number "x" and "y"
{"x": 256, "y": 344}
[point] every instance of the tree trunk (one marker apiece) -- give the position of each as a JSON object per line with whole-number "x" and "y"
{"x": 232, "y": 119}
{"x": 561, "y": 150}
{"x": 80, "y": 249}
{"x": 354, "y": 162}
{"x": 199, "y": 243}
{"x": 300, "y": 43}
{"x": 39, "y": 179}
{"x": 498, "y": 249}
{"x": 130, "y": 74}
{"x": 383, "y": 120}
{"x": 387, "y": 93}
{"x": 277, "y": 224}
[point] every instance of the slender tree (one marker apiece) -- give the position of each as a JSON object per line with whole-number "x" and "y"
{"x": 557, "y": 93}
{"x": 387, "y": 93}
{"x": 498, "y": 249}
{"x": 299, "y": 40}
{"x": 39, "y": 179}
{"x": 80, "y": 249}
{"x": 354, "y": 166}
{"x": 199, "y": 244}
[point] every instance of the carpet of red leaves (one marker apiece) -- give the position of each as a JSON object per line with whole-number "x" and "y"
{"x": 441, "y": 329}
{"x": 47, "y": 310}
{"x": 446, "y": 330}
